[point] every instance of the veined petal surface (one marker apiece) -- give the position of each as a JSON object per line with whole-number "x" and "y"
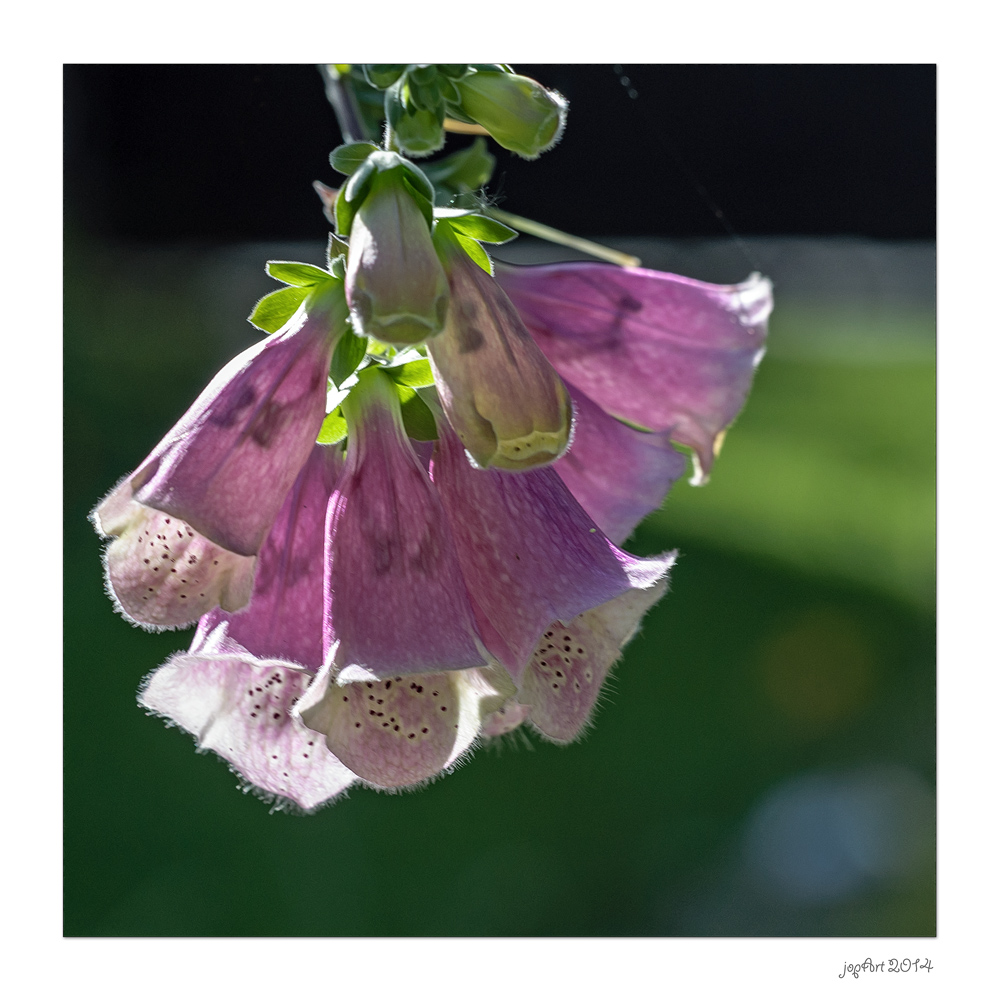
{"x": 617, "y": 473}
{"x": 284, "y": 620}
{"x": 226, "y": 466}
{"x": 663, "y": 351}
{"x": 396, "y": 599}
{"x": 528, "y": 551}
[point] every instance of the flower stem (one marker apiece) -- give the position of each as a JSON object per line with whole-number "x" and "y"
{"x": 564, "y": 239}
{"x": 344, "y": 103}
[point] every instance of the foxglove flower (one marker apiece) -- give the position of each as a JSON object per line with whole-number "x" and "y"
{"x": 251, "y": 687}
{"x": 529, "y": 553}
{"x": 505, "y": 401}
{"x": 235, "y": 688}
{"x": 407, "y": 729}
{"x": 396, "y": 599}
{"x": 665, "y": 352}
{"x": 188, "y": 523}
{"x": 561, "y": 683}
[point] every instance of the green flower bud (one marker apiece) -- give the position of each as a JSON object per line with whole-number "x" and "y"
{"x": 395, "y": 285}
{"x": 518, "y": 112}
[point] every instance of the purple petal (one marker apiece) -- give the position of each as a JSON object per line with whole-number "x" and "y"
{"x": 405, "y": 729}
{"x": 161, "y": 572}
{"x": 617, "y": 473}
{"x": 227, "y": 464}
{"x": 660, "y": 350}
{"x": 528, "y": 551}
{"x": 240, "y": 708}
{"x": 569, "y": 666}
{"x": 396, "y": 598}
{"x": 284, "y": 619}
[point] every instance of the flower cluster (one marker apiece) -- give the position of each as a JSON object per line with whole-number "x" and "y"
{"x": 396, "y": 520}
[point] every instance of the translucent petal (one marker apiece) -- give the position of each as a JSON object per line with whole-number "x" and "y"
{"x": 660, "y": 350}
{"x": 240, "y": 708}
{"x": 617, "y": 473}
{"x": 405, "y": 729}
{"x": 569, "y": 666}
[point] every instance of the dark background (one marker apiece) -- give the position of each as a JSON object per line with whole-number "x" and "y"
{"x": 229, "y": 152}
{"x": 763, "y": 761}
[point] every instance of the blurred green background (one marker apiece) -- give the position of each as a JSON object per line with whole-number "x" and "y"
{"x": 763, "y": 762}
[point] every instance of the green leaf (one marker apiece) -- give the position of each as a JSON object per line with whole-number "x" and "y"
{"x": 416, "y": 374}
{"x": 347, "y": 355}
{"x": 417, "y": 417}
{"x": 347, "y": 158}
{"x": 483, "y": 228}
{"x": 453, "y": 70}
{"x": 476, "y": 252}
{"x": 333, "y": 428}
{"x": 273, "y": 311}
{"x": 294, "y": 273}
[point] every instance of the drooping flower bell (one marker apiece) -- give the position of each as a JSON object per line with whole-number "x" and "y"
{"x": 235, "y": 688}
{"x": 529, "y": 553}
{"x": 188, "y": 523}
{"x": 665, "y": 352}
{"x": 396, "y": 599}
{"x": 504, "y": 399}
{"x": 396, "y": 287}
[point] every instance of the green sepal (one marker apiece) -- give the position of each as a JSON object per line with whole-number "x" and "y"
{"x": 446, "y": 240}
{"x": 382, "y": 75}
{"x": 333, "y": 428}
{"x": 344, "y": 213}
{"x": 416, "y": 374}
{"x": 466, "y": 170}
{"x": 357, "y": 187}
{"x": 482, "y": 228}
{"x": 273, "y": 311}
{"x": 476, "y": 252}
{"x": 347, "y": 158}
{"x": 295, "y": 273}
{"x": 418, "y": 420}
{"x": 425, "y": 206}
{"x": 419, "y": 180}
{"x": 453, "y": 70}
{"x": 422, "y": 73}
{"x": 335, "y": 250}
{"x": 347, "y": 355}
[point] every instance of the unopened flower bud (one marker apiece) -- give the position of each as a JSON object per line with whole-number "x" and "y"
{"x": 518, "y": 112}
{"x": 505, "y": 401}
{"x": 396, "y": 287}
